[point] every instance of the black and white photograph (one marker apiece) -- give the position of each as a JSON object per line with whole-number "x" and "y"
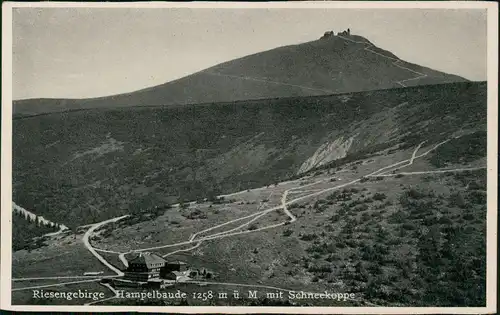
{"x": 317, "y": 157}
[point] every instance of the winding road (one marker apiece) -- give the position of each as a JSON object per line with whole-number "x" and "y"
{"x": 197, "y": 241}
{"x": 396, "y": 62}
{"x": 86, "y": 242}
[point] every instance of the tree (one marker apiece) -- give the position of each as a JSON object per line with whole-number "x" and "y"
{"x": 72, "y": 223}
{"x": 183, "y": 205}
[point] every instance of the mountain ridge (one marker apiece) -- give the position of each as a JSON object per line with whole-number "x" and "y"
{"x": 333, "y": 65}
{"x": 191, "y": 152}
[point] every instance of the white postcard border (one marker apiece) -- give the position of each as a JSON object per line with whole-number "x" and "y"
{"x": 492, "y": 92}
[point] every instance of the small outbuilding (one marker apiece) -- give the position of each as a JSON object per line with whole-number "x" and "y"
{"x": 174, "y": 275}
{"x": 176, "y": 266}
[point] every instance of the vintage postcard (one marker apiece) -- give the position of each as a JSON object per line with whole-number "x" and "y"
{"x": 279, "y": 157}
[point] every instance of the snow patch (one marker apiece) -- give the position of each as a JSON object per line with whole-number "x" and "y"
{"x": 34, "y": 217}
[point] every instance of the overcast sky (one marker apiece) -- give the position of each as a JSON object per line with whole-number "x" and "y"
{"x": 82, "y": 52}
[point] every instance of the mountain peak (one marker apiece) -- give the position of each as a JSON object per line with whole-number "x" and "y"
{"x": 335, "y": 63}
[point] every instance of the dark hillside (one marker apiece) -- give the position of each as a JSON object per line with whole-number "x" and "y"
{"x": 89, "y": 165}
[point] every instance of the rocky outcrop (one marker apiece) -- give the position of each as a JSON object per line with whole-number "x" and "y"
{"x": 327, "y": 152}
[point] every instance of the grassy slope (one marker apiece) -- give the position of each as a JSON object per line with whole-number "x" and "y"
{"x": 389, "y": 241}
{"x": 64, "y": 255}
{"x": 332, "y": 65}
{"x": 85, "y": 166}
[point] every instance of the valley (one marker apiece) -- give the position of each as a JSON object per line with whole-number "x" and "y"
{"x": 318, "y": 201}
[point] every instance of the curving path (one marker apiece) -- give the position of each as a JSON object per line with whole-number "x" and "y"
{"x": 269, "y": 81}
{"x": 397, "y": 62}
{"x": 87, "y": 244}
{"x": 233, "y": 232}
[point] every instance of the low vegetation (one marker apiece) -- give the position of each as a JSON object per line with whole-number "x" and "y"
{"x": 394, "y": 249}
{"x": 460, "y": 151}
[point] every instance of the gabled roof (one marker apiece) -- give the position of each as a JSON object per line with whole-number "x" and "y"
{"x": 148, "y": 259}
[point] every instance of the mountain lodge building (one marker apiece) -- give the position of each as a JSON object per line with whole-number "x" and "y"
{"x": 145, "y": 267}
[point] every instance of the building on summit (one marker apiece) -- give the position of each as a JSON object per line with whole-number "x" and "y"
{"x": 329, "y": 34}
{"x": 345, "y": 33}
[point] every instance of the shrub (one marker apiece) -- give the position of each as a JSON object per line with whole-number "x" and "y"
{"x": 332, "y": 257}
{"x": 474, "y": 185}
{"x": 368, "y": 200}
{"x": 415, "y": 194}
{"x": 333, "y": 196}
{"x": 409, "y": 226}
{"x": 468, "y": 216}
{"x": 456, "y": 199}
{"x": 334, "y": 218}
{"x": 365, "y": 217}
{"x": 319, "y": 268}
{"x": 361, "y": 208}
{"x": 379, "y": 196}
{"x": 351, "y": 243}
{"x": 398, "y": 217}
{"x": 341, "y": 244}
{"x": 293, "y": 206}
{"x": 196, "y": 214}
{"x": 309, "y": 237}
{"x": 252, "y": 227}
{"x": 477, "y": 197}
{"x": 444, "y": 220}
{"x": 287, "y": 232}
{"x": 369, "y": 253}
